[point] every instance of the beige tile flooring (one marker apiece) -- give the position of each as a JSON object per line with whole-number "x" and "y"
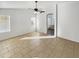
{"x": 38, "y": 48}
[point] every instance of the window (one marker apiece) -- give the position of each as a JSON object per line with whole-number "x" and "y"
{"x": 4, "y": 23}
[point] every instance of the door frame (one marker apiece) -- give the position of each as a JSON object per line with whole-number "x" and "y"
{"x": 56, "y": 22}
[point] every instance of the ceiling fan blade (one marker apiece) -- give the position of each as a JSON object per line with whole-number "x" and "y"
{"x": 42, "y": 11}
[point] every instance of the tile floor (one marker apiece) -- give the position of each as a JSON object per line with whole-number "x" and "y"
{"x": 38, "y": 48}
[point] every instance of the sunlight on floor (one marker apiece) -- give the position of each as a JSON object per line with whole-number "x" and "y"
{"x": 37, "y": 37}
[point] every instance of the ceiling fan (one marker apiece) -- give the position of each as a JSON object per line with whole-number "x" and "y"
{"x": 36, "y": 9}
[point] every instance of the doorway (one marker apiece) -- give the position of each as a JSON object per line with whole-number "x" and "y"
{"x": 51, "y": 24}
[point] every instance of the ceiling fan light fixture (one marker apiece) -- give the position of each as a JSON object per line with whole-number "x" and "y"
{"x": 36, "y": 9}
{"x": 36, "y": 1}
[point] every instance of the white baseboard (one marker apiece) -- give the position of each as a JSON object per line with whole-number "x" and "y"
{"x": 68, "y": 39}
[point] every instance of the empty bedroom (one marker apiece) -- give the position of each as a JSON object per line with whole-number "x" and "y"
{"x": 39, "y": 29}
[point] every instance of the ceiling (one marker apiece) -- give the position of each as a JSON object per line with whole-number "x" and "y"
{"x": 44, "y": 5}
{"x": 26, "y": 4}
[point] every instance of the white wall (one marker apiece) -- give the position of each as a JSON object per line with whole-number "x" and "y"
{"x": 68, "y": 20}
{"x": 20, "y": 15}
{"x": 19, "y": 22}
{"x": 43, "y": 19}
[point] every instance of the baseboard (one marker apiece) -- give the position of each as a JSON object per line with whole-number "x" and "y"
{"x": 67, "y": 39}
{"x": 13, "y": 37}
{"x": 28, "y": 37}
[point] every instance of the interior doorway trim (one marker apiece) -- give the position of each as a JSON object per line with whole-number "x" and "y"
{"x": 55, "y": 21}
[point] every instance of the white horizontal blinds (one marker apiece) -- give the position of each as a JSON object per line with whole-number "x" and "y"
{"x": 4, "y": 23}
